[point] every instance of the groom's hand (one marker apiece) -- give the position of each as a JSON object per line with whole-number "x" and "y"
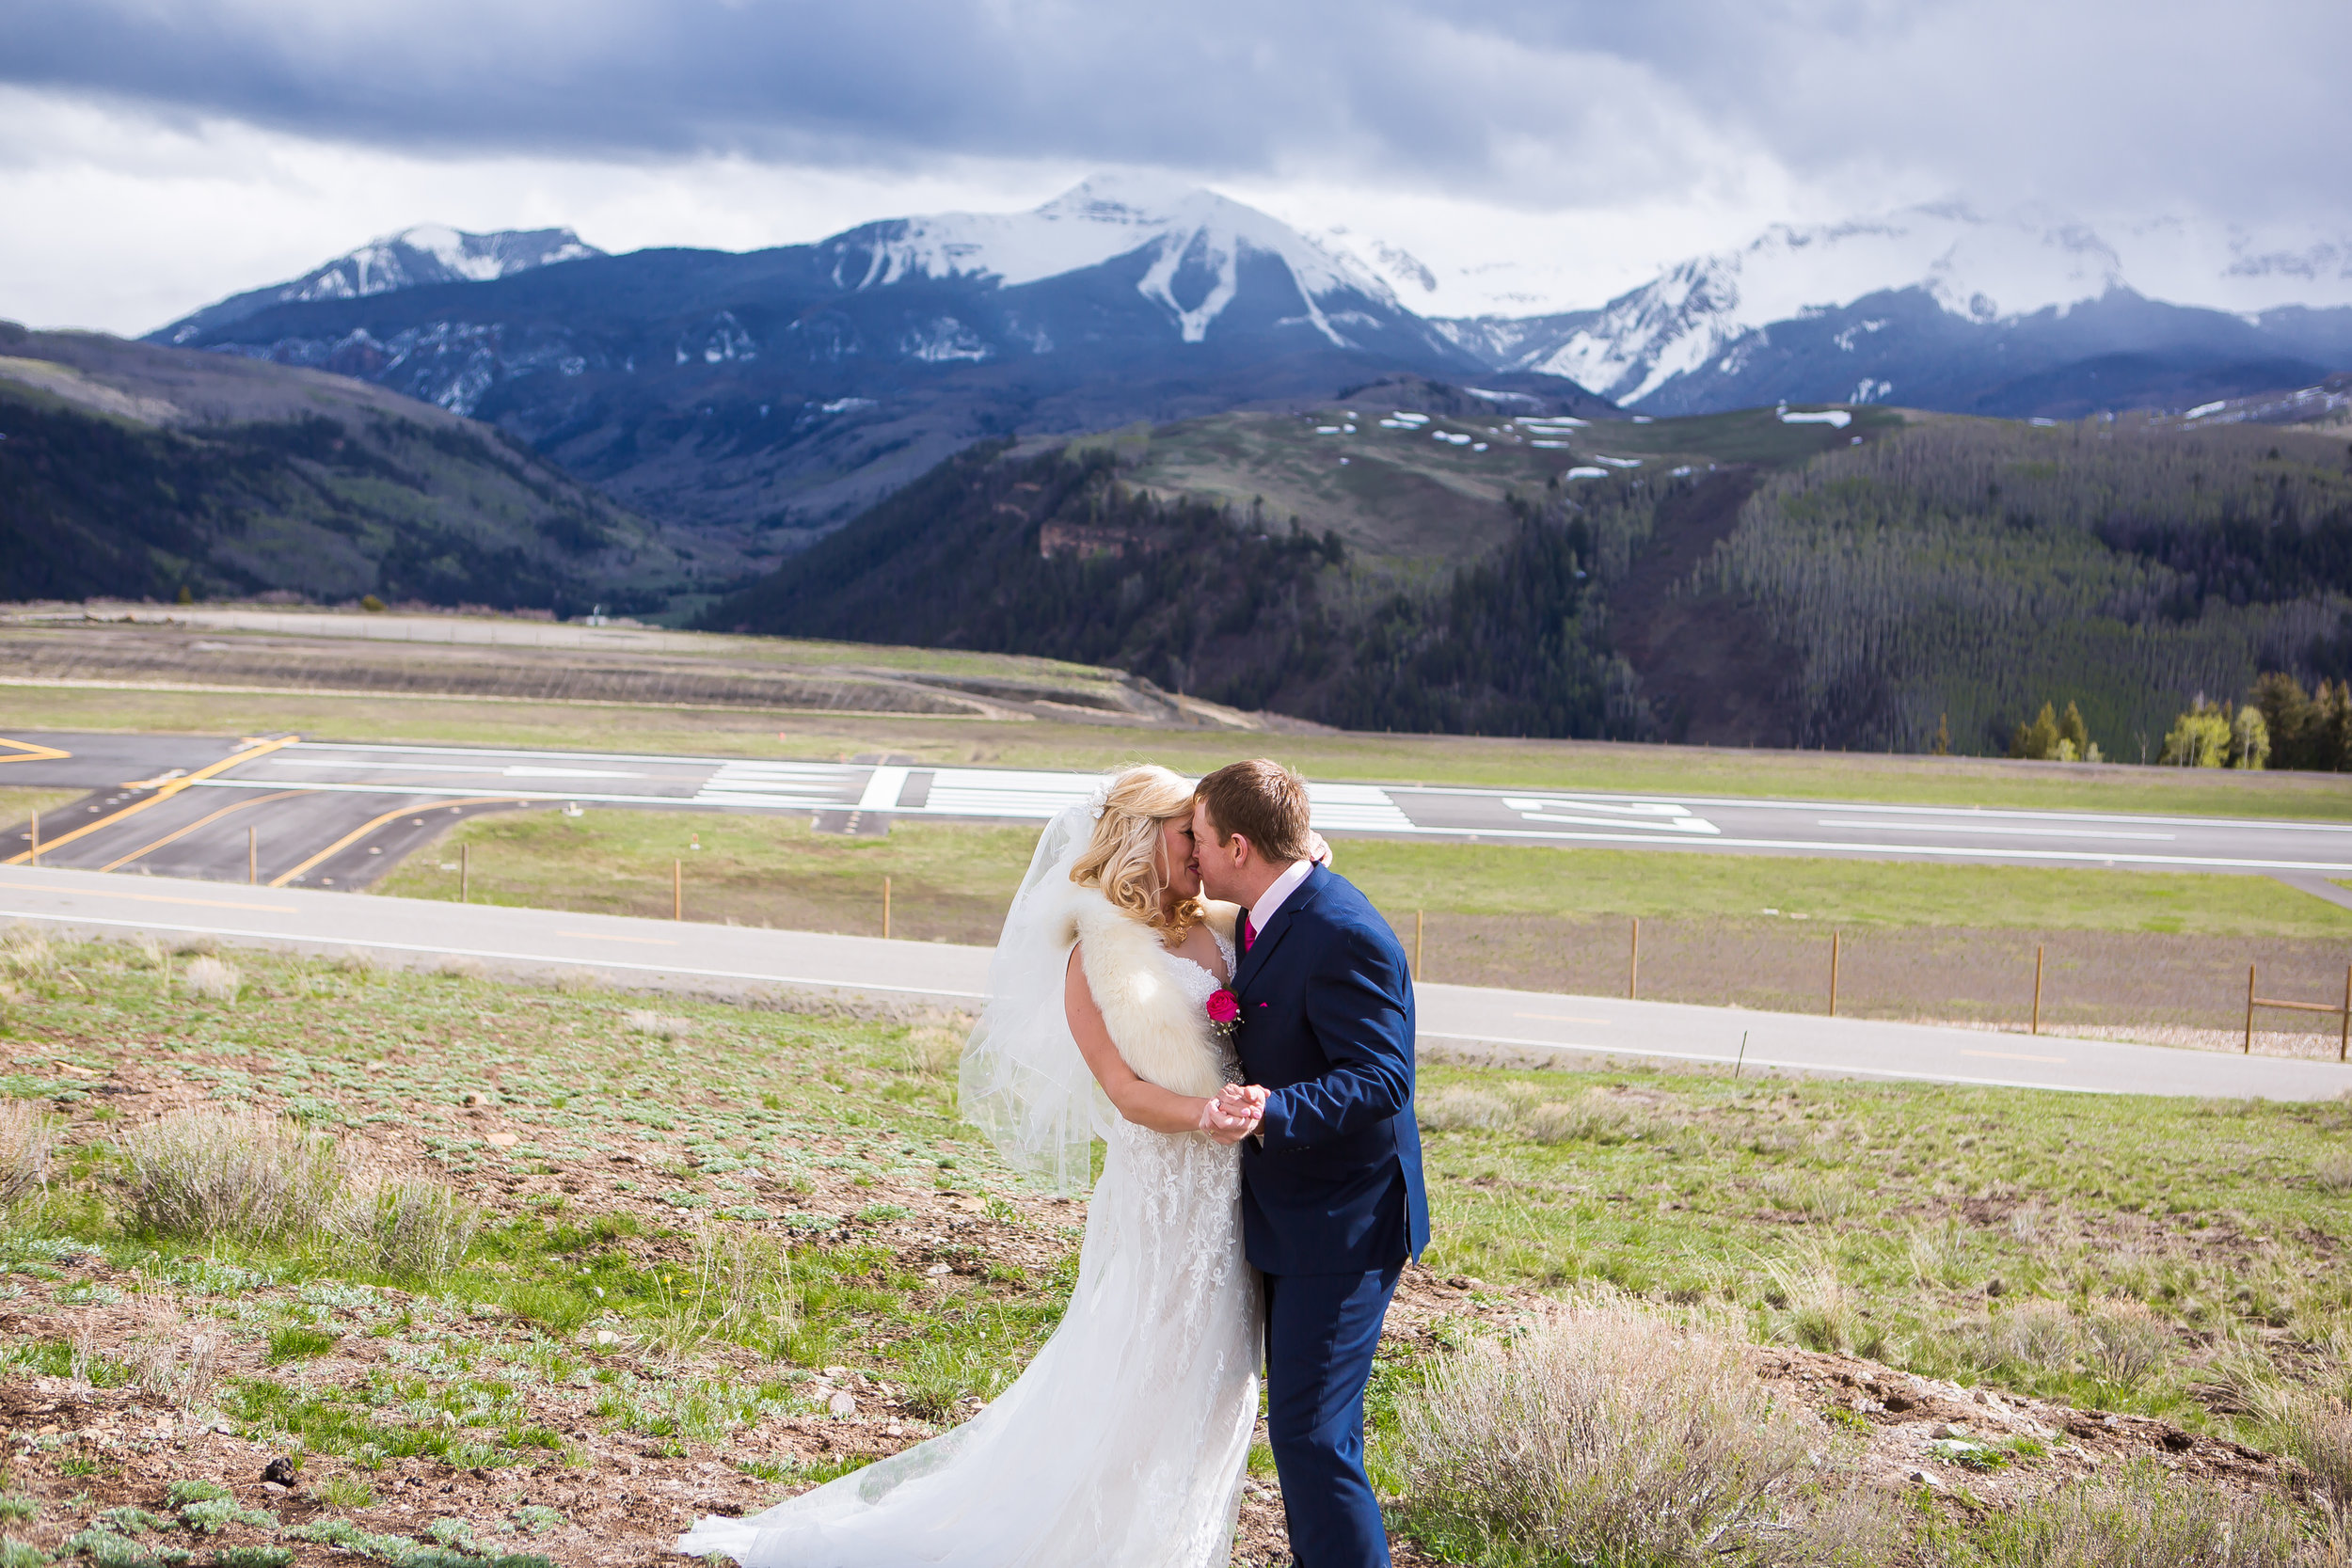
{"x": 1244, "y": 1100}
{"x": 1226, "y": 1123}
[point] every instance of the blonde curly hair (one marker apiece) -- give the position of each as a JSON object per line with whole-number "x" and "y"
{"x": 1123, "y": 858}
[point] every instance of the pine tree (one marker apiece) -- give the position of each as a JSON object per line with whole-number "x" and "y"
{"x": 1943, "y": 747}
{"x": 2072, "y": 728}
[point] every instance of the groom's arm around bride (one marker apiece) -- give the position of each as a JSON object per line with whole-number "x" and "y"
{"x": 1332, "y": 1203}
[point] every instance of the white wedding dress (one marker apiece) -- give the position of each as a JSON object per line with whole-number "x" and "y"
{"x": 1123, "y": 1445}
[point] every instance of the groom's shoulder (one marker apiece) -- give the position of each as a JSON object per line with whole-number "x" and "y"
{"x": 1341, "y": 903}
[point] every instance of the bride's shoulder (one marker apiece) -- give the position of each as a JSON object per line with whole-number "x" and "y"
{"x": 1222, "y": 918}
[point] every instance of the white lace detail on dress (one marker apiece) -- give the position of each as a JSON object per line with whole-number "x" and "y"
{"x": 1122, "y": 1444}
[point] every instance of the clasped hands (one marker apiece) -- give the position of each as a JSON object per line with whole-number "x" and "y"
{"x": 1234, "y": 1114}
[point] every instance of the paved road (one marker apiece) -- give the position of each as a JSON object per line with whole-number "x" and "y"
{"x": 327, "y": 813}
{"x": 1465, "y": 1021}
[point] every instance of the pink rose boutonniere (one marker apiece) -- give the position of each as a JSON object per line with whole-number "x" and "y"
{"x": 1223, "y": 1009}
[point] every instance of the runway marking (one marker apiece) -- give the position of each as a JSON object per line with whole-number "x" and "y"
{"x": 1562, "y": 1018}
{"x": 599, "y": 936}
{"x": 200, "y": 822}
{"x": 157, "y": 898}
{"x": 516, "y": 772}
{"x": 163, "y": 792}
{"x": 369, "y": 825}
{"x": 2011, "y": 1056}
{"x": 26, "y": 751}
{"x": 1988, "y": 828}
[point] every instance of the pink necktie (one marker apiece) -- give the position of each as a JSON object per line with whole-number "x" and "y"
{"x": 1248, "y": 934}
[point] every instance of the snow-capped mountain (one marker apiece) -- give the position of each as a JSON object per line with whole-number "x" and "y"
{"x": 1681, "y": 341}
{"x": 789, "y": 387}
{"x": 1188, "y": 235}
{"x": 414, "y": 257}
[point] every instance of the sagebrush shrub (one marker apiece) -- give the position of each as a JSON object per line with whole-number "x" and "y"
{"x": 1603, "y": 1435}
{"x": 204, "y": 1174}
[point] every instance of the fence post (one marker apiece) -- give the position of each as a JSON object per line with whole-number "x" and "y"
{"x": 885, "y": 909}
{"x": 1833, "y": 973}
{"x": 35, "y": 858}
{"x": 253, "y": 857}
{"x": 1633, "y": 965}
{"x": 2250, "y": 1012}
{"x": 2037, "y": 988}
{"x": 1419, "y": 921}
{"x": 2344, "y": 1039}
{"x": 465, "y": 870}
{"x": 677, "y": 890}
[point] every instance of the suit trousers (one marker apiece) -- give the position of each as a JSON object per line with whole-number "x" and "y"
{"x": 1321, "y": 1332}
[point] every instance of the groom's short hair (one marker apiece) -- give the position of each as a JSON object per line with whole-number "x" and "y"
{"x": 1264, "y": 802}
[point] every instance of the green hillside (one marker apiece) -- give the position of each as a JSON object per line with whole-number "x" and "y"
{"x": 1420, "y": 558}
{"x": 136, "y": 471}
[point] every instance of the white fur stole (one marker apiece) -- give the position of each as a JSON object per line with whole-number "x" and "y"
{"x": 1160, "y": 1033}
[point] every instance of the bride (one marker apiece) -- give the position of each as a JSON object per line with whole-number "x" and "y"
{"x": 1123, "y": 1445}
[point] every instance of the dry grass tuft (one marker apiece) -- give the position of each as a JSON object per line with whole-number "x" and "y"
{"x": 171, "y": 1358}
{"x": 28, "y": 1137}
{"x": 1460, "y": 1110}
{"x": 2143, "y": 1517}
{"x": 934, "y": 1053}
{"x": 2034, "y": 1337}
{"x": 26, "y": 952}
{"x": 738, "y": 1286}
{"x": 2316, "y": 1428}
{"x": 641, "y": 1020}
{"x": 212, "y": 979}
{"x": 1605, "y": 1435}
{"x": 2333, "y": 1171}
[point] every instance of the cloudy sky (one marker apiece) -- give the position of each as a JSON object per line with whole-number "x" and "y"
{"x": 155, "y": 154}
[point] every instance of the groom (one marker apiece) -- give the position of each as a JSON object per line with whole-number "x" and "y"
{"x": 1332, "y": 1198}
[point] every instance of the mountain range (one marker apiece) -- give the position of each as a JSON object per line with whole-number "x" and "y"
{"x": 759, "y": 400}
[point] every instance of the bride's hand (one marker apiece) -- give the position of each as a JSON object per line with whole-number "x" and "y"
{"x": 1318, "y": 850}
{"x": 1226, "y": 1123}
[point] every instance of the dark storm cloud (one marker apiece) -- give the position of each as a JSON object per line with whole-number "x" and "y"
{"x": 1537, "y": 101}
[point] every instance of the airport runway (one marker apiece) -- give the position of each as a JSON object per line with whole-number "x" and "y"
{"x": 1465, "y": 1022}
{"x": 290, "y": 811}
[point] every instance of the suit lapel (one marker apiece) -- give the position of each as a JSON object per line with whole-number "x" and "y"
{"x": 1260, "y": 950}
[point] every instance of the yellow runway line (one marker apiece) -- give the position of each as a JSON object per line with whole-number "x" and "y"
{"x": 371, "y": 824}
{"x": 260, "y": 801}
{"x": 163, "y": 792}
{"x": 27, "y": 751}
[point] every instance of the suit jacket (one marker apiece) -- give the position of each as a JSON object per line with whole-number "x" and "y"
{"x": 1332, "y": 1183}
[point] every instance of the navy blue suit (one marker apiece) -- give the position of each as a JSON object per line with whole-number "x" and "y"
{"x": 1331, "y": 1199}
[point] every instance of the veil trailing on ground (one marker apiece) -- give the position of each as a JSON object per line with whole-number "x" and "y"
{"x": 1022, "y": 1080}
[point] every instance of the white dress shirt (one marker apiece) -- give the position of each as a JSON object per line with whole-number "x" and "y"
{"x": 1270, "y": 902}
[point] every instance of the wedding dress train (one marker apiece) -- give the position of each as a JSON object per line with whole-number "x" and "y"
{"x": 1123, "y": 1443}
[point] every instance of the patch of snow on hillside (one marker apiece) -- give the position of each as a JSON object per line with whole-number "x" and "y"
{"x": 1586, "y": 473}
{"x": 1837, "y": 418}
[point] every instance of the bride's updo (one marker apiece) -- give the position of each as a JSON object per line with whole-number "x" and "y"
{"x": 1126, "y": 843}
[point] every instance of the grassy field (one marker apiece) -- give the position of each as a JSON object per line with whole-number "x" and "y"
{"x": 2123, "y": 950}
{"x": 1668, "y": 770}
{"x": 616, "y": 1301}
{"x": 954, "y": 881}
{"x": 18, "y": 804}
